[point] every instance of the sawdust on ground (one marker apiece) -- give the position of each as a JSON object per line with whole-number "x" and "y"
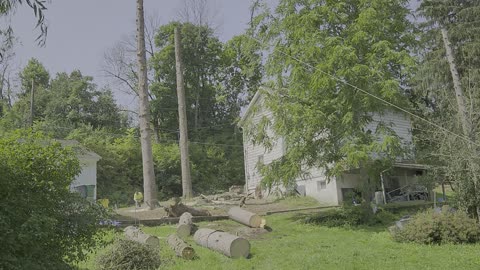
{"x": 259, "y": 206}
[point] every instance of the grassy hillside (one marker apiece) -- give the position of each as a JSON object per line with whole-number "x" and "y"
{"x": 294, "y": 245}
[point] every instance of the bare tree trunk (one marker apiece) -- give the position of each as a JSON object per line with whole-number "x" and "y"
{"x": 32, "y": 107}
{"x": 182, "y": 115}
{"x": 149, "y": 187}
{"x": 462, "y": 111}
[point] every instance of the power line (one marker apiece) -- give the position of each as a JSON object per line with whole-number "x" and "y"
{"x": 118, "y": 135}
{"x": 275, "y": 49}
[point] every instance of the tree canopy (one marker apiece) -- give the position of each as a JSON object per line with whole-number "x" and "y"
{"x": 320, "y": 54}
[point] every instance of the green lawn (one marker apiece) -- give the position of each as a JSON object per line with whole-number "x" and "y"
{"x": 293, "y": 245}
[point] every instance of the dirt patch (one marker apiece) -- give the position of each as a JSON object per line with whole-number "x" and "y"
{"x": 257, "y": 206}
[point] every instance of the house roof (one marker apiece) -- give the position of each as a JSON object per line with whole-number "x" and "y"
{"x": 252, "y": 103}
{"x": 80, "y": 150}
{"x": 410, "y": 165}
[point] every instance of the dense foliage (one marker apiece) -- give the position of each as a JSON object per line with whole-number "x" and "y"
{"x": 314, "y": 48}
{"x": 352, "y": 215}
{"x": 439, "y": 227}
{"x": 43, "y": 224}
{"x": 454, "y": 156}
{"x": 128, "y": 255}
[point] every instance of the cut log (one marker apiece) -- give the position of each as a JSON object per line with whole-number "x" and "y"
{"x": 225, "y": 243}
{"x": 177, "y": 209}
{"x": 185, "y": 225}
{"x": 135, "y": 234}
{"x": 181, "y": 248}
{"x": 246, "y": 218}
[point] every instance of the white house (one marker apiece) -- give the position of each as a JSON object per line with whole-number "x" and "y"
{"x": 396, "y": 183}
{"x": 86, "y": 182}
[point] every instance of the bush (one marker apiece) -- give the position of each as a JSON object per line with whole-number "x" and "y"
{"x": 126, "y": 254}
{"x": 42, "y": 224}
{"x": 351, "y": 215}
{"x": 439, "y": 227}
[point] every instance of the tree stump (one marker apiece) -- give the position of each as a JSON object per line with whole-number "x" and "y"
{"x": 135, "y": 234}
{"x": 181, "y": 248}
{"x": 225, "y": 243}
{"x": 246, "y": 218}
{"x": 185, "y": 225}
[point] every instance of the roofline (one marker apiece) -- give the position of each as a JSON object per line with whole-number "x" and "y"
{"x": 252, "y": 103}
{"x": 249, "y": 109}
{"x": 411, "y": 166}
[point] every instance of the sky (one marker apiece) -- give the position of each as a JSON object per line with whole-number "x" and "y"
{"x": 80, "y": 32}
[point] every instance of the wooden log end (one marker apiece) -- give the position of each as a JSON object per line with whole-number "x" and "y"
{"x": 152, "y": 241}
{"x": 255, "y": 221}
{"x": 240, "y": 247}
{"x": 188, "y": 253}
{"x": 263, "y": 223}
{"x": 184, "y": 230}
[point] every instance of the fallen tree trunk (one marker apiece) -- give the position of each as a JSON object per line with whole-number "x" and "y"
{"x": 135, "y": 234}
{"x": 177, "y": 209}
{"x": 227, "y": 244}
{"x": 185, "y": 225}
{"x": 181, "y": 248}
{"x": 246, "y": 218}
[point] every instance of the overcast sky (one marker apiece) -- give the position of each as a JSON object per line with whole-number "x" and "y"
{"x": 80, "y": 32}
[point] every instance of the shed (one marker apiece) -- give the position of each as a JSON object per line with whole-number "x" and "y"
{"x": 86, "y": 182}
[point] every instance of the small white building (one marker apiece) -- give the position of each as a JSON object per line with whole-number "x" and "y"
{"x": 315, "y": 183}
{"x": 86, "y": 182}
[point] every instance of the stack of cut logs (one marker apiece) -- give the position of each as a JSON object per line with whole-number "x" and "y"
{"x": 225, "y": 243}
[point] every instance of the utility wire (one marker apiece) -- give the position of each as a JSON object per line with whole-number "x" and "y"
{"x": 118, "y": 135}
{"x": 275, "y": 49}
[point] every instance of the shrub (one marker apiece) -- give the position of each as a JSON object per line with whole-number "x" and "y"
{"x": 439, "y": 227}
{"x": 351, "y": 215}
{"x": 126, "y": 254}
{"x": 42, "y": 224}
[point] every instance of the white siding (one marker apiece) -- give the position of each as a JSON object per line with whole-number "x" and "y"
{"x": 332, "y": 194}
{"x": 327, "y": 196}
{"x": 398, "y": 122}
{"x": 88, "y": 175}
{"x": 252, "y": 152}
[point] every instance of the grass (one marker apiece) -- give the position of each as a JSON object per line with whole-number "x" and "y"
{"x": 294, "y": 245}
{"x": 298, "y": 202}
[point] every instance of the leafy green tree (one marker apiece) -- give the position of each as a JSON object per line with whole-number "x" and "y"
{"x": 8, "y": 7}
{"x": 119, "y": 172}
{"x": 201, "y": 51}
{"x": 43, "y": 224}
{"x": 64, "y": 103}
{"x": 34, "y": 72}
{"x": 242, "y": 74}
{"x": 322, "y": 118}
{"x": 453, "y": 25}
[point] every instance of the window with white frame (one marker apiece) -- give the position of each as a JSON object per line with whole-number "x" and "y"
{"x": 321, "y": 185}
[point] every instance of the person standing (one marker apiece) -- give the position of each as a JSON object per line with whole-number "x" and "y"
{"x": 138, "y": 198}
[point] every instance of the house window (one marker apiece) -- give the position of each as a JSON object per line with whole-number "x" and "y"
{"x": 321, "y": 185}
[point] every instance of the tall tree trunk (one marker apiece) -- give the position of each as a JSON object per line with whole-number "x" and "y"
{"x": 462, "y": 110}
{"x": 149, "y": 187}
{"x": 182, "y": 116}
{"x": 32, "y": 106}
